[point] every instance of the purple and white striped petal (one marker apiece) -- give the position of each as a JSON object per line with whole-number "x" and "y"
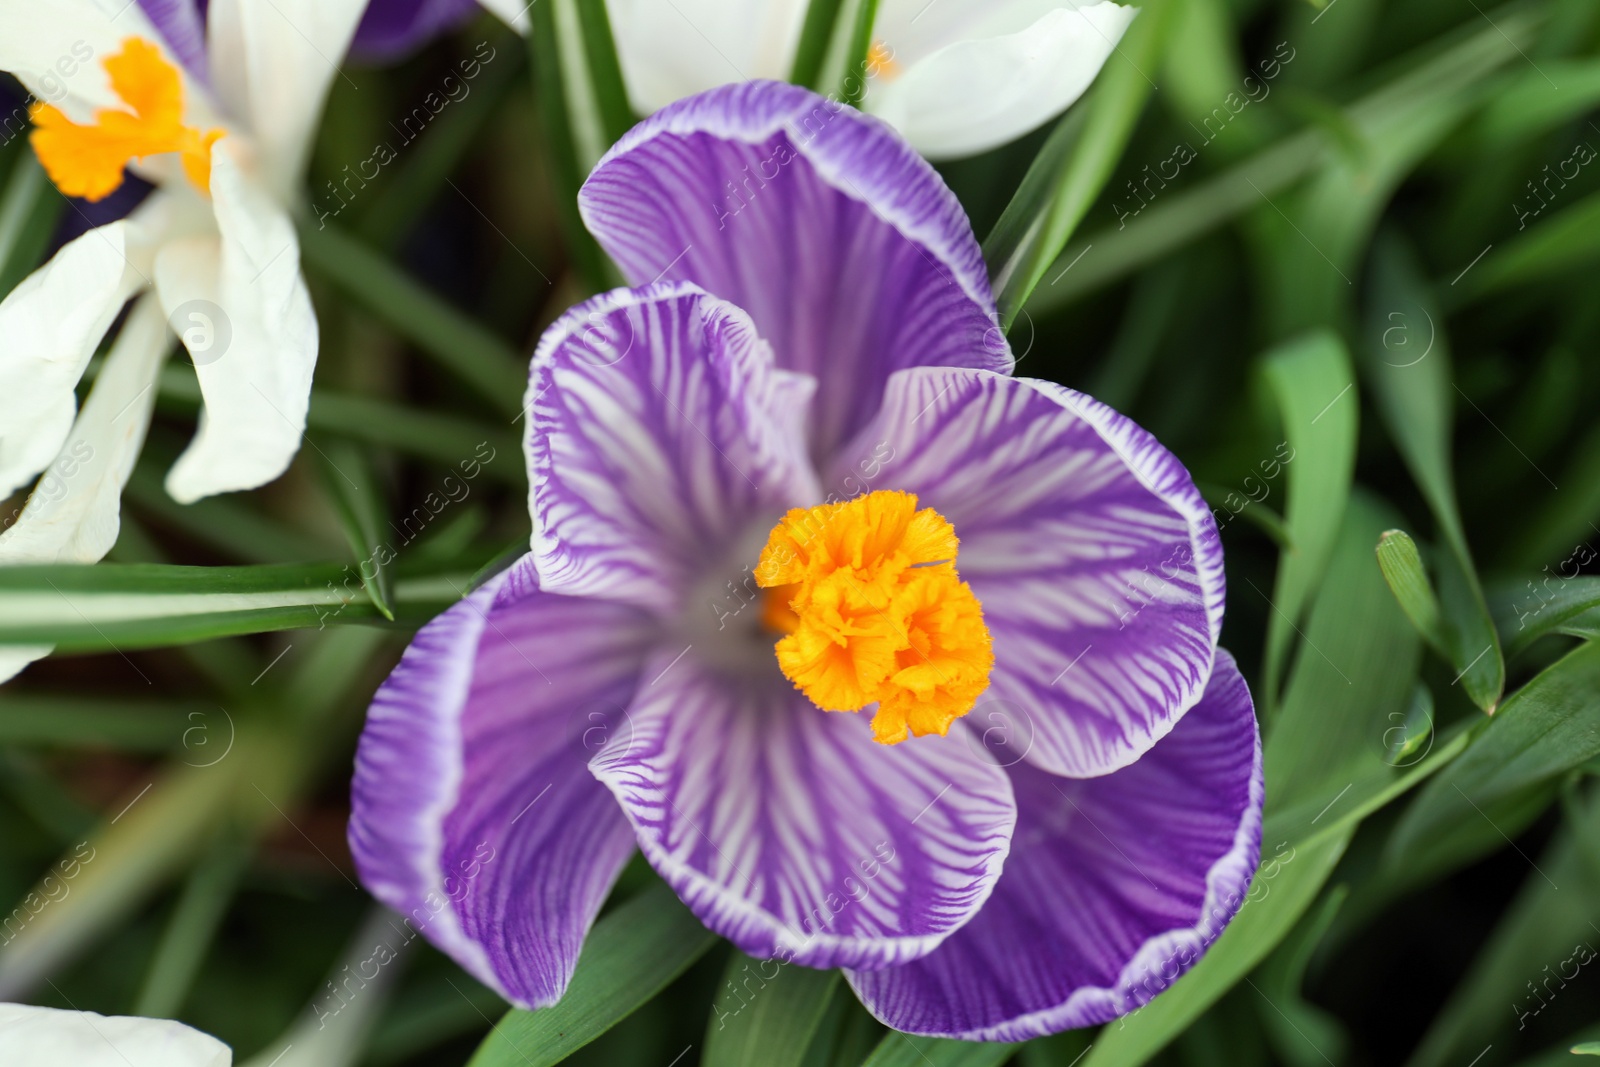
{"x": 658, "y": 432}
{"x": 473, "y": 812}
{"x": 1115, "y": 886}
{"x": 787, "y": 830}
{"x": 182, "y": 24}
{"x": 1095, "y": 558}
{"x": 843, "y": 244}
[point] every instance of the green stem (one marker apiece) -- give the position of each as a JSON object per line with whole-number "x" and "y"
{"x": 821, "y": 16}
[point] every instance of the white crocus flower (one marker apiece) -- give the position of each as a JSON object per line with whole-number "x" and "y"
{"x": 220, "y": 119}
{"x": 51, "y": 1037}
{"x": 956, "y": 77}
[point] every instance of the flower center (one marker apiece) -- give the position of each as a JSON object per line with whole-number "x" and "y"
{"x": 867, "y": 594}
{"x": 87, "y": 161}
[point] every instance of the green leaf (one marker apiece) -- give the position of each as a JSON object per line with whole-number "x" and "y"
{"x": 1313, "y": 383}
{"x": 1303, "y": 1034}
{"x": 189, "y": 933}
{"x": 1547, "y": 727}
{"x": 629, "y": 957}
{"x": 766, "y": 1019}
{"x": 903, "y": 1050}
{"x": 353, "y": 487}
{"x": 82, "y": 721}
{"x": 1553, "y": 247}
{"x": 122, "y": 606}
{"x": 1416, "y": 392}
{"x": 459, "y": 344}
{"x": 29, "y": 210}
{"x": 853, "y": 86}
{"x": 1271, "y": 910}
{"x": 1401, "y": 565}
{"x": 553, "y": 82}
{"x": 815, "y": 34}
{"x": 1112, "y": 110}
{"x": 1588, "y": 1048}
{"x": 1550, "y": 925}
{"x": 1426, "y": 77}
{"x": 605, "y": 71}
{"x": 1526, "y": 613}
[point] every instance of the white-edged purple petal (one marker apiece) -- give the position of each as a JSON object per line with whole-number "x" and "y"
{"x": 1114, "y": 887}
{"x": 473, "y": 812}
{"x": 1095, "y": 558}
{"x": 658, "y": 431}
{"x": 790, "y": 832}
{"x": 843, "y": 244}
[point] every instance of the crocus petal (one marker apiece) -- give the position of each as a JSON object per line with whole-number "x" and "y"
{"x": 472, "y": 810}
{"x": 272, "y": 62}
{"x": 670, "y": 51}
{"x": 49, "y": 1037}
{"x": 241, "y": 308}
{"x": 787, "y": 830}
{"x": 843, "y": 244}
{"x": 995, "y": 77}
{"x": 56, "y": 48}
{"x": 182, "y": 26}
{"x": 656, "y": 437}
{"x": 1094, "y": 556}
{"x": 52, "y": 323}
{"x": 391, "y": 28}
{"x": 1114, "y": 887}
{"x": 74, "y": 513}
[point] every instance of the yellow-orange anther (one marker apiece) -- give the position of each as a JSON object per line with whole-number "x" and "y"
{"x": 876, "y": 613}
{"x": 87, "y": 161}
{"x": 880, "y": 61}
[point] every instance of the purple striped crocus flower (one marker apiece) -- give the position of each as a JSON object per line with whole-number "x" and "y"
{"x": 808, "y": 357}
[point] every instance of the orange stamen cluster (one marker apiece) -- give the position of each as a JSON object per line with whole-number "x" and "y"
{"x": 874, "y": 611}
{"x": 88, "y": 161}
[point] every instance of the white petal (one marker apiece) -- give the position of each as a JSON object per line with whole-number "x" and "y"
{"x": 272, "y": 62}
{"x": 513, "y": 13}
{"x": 73, "y": 513}
{"x": 56, "y": 48}
{"x": 241, "y": 308}
{"x": 52, "y": 1037}
{"x": 972, "y": 95}
{"x": 50, "y": 325}
{"x": 672, "y": 50}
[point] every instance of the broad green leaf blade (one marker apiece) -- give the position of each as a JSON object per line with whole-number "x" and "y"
{"x": 1526, "y": 612}
{"x": 904, "y": 1050}
{"x": 1552, "y": 247}
{"x": 1416, "y": 395}
{"x": 460, "y": 345}
{"x": 29, "y": 210}
{"x": 605, "y": 71}
{"x": 1588, "y": 1048}
{"x": 1312, "y": 381}
{"x": 815, "y": 34}
{"x": 1270, "y": 911}
{"x": 1547, "y": 727}
{"x": 766, "y": 1012}
{"x": 629, "y": 957}
{"x": 352, "y": 485}
{"x": 1401, "y": 565}
{"x": 1112, "y": 110}
{"x": 121, "y": 606}
{"x": 1549, "y": 927}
